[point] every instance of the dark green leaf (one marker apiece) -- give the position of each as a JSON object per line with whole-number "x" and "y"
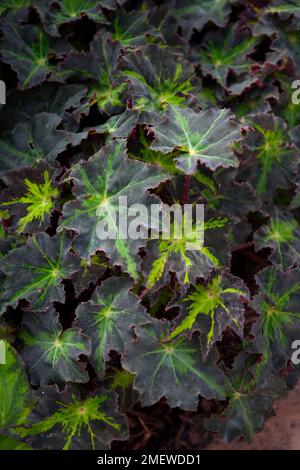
{"x": 63, "y": 420}
{"x": 35, "y": 271}
{"x": 172, "y": 369}
{"x": 109, "y": 317}
{"x": 205, "y": 137}
{"x": 99, "y": 183}
{"x": 51, "y": 354}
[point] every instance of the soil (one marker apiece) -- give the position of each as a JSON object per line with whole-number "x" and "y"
{"x": 281, "y": 432}
{"x": 160, "y": 427}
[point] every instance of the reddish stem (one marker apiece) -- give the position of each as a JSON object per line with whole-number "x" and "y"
{"x": 187, "y": 181}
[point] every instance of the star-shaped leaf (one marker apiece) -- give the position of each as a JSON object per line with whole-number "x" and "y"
{"x": 99, "y": 183}
{"x": 35, "y": 271}
{"x": 51, "y": 354}
{"x": 64, "y": 420}
{"x": 214, "y": 307}
{"x": 174, "y": 369}
{"x": 30, "y": 198}
{"x": 109, "y": 317}
{"x": 250, "y": 402}
{"x": 205, "y": 137}
{"x": 131, "y": 29}
{"x": 97, "y": 69}
{"x": 35, "y": 141}
{"x": 158, "y": 78}
{"x": 279, "y": 324}
{"x": 27, "y": 48}
{"x": 283, "y": 237}
{"x": 188, "y": 260}
{"x": 224, "y": 52}
{"x": 269, "y": 160}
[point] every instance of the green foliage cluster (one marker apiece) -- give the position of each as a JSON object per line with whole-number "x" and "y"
{"x": 162, "y": 102}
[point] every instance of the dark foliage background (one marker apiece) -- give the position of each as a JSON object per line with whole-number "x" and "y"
{"x": 141, "y": 343}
